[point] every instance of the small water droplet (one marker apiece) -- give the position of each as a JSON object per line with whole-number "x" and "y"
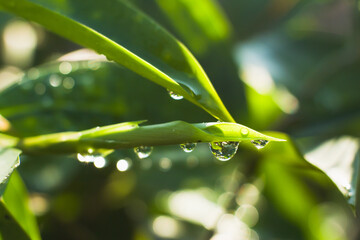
{"x": 244, "y": 132}
{"x": 143, "y": 151}
{"x": 224, "y": 151}
{"x": 188, "y": 147}
{"x": 259, "y": 144}
{"x": 174, "y": 95}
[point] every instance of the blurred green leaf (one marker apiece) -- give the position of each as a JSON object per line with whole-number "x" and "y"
{"x": 339, "y": 159}
{"x": 200, "y": 29}
{"x": 135, "y": 41}
{"x": 129, "y": 134}
{"x": 305, "y": 194}
{"x": 16, "y": 220}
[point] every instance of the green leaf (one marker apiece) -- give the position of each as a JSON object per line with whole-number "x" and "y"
{"x": 127, "y": 36}
{"x": 94, "y": 93}
{"x": 339, "y": 159}
{"x": 200, "y": 29}
{"x": 305, "y": 194}
{"x": 16, "y": 220}
{"x": 129, "y": 134}
{"x": 9, "y": 160}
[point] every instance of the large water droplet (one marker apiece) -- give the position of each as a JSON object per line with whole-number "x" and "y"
{"x": 174, "y": 95}
{"x": 259, "y": 144}
{"x": 188, "y": 147}
{"x": 224, "y": 151}
{"x": 143, "y": 151}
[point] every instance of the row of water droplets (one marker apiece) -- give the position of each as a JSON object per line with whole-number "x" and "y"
{"x": 223, "y": 151}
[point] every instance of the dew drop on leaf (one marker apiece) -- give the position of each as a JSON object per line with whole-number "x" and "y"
{"x": 143, "y": 151}
{"x": 244, "y": 132}
{"x": 224, "y": 151}
{"x": 175, "y": 96}
{"x": 188, "y": 147}
{"x": 259, "y": 144}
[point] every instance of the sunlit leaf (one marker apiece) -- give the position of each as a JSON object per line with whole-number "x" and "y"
{"x": 16, "y": 220}
{"x": 9, "y": 160}
{"x": 339, "y": 159}
{"x": 304, "y": 193}
{"x": 200, "y": 29}
{"x": 134, "y": 41}
{"x": 127, "y": 135}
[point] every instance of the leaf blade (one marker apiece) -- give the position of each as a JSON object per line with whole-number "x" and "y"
{"x": 170, "y": 65}
{"x": 128, "y": 135}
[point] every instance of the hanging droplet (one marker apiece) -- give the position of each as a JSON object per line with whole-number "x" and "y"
{"x": 259, "y": 144}
{"x": 188, "y": 147}
{"x": 174, "y": 95}
{"x": 143, "y": 151}
{"x": 224, "y": 151}
{"x": 244, "y": 132}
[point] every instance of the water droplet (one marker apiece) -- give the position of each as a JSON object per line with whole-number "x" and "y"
{"x": 174, "y": 95}
{"x": 123, "y": 165}
{"x": 188, "y": 147}
{"x": 244, "y": 132}
{"x": 143, "y": 151}
{"x": 259, "y": 144}
{"x": 224, "y": 151}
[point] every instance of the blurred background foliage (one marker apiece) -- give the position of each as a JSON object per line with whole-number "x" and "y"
{"x": 285, "y": 65}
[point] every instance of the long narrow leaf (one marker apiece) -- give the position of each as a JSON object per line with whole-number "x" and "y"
{"x": 127, "y": 36}
{"x": 127, "y": 135}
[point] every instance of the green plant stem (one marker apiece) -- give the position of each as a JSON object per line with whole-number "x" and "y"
{"x": 129, "y": 135}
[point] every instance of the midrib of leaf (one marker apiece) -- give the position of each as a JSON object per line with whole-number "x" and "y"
{"x": 90, "y": 38}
